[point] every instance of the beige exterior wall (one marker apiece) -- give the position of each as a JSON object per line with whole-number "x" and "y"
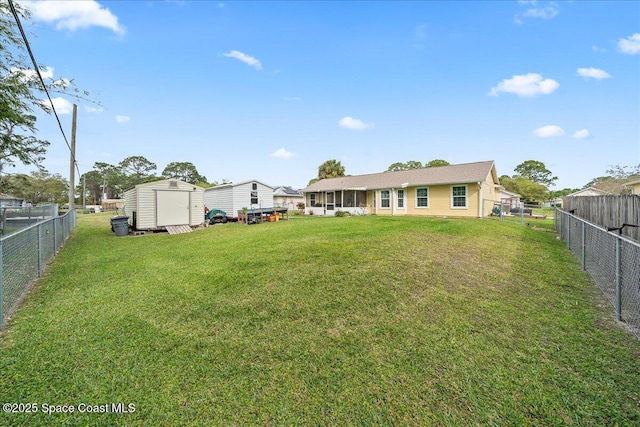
{"x": 635, "y": 188}
{"x": 440, "y": 201}
{"x": 480, "y": 199}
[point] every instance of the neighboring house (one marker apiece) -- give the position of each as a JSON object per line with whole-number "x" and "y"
{"x": 112, "y": 204}
{"x": 557, "y": 202}
{"x": 8, "y": 201}
{"x": 465, "y": 190}
{"x": 287, "y": 197}
{"x": 160, "y": 204}
{"x": 234, "y": 197}
{"x": 585, "y": 192}
{"x": 633, "y": 186}
{"x": 509, "y": 200}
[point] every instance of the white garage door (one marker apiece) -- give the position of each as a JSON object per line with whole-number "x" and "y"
{"x": 172, "y": 208}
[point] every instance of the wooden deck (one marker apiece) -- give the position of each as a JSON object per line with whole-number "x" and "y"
{"x": 261, "y": 214}
{"x": 179, "y": 229}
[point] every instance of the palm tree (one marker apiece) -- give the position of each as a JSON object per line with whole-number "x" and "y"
{"x": 330, "y": 169}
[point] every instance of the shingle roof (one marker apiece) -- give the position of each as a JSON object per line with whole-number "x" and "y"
{"x": 453, "y": 174}
{"x": 282, "y": 190}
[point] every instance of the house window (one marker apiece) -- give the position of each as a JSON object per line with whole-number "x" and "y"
{"x": 312, "y": 199}
{"x": 254, "y": 186}
{"x": 401, "y": 199}
{"x": 422, "y": 197}
{"x": 459, "y": 196}
{"x": 385, "y": 199}
{"x": 254, "y": 197}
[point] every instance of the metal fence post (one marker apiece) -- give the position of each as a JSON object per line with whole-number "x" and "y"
{"x": 584, "y": 247}
{"x": 618, "y": 280}
{"x": 39, "y": 251}
{"x": 1, "y": 288}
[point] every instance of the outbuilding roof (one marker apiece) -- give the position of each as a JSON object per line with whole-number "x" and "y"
{"x": 452, "y": 174}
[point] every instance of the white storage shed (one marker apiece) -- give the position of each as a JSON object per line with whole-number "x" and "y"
{"x": 231, "y": 198}
{"x": 159, "y": 204}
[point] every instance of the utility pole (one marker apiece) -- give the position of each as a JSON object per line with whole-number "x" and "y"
{"x": 72, "y": 164}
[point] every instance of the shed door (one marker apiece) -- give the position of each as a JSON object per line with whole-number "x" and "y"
{"x": 172, "y": 208}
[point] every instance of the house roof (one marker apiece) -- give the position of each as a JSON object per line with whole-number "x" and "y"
{"x": 235, "y": 184}
{"x": 590, "y": 191}
{"x": 286, "y": 191}
{"x": 508, "y": 193}
{"x": 453, "y": 174}
{"x": 4, "y": 196}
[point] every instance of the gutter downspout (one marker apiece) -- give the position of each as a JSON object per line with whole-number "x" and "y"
{"x": 480, "y": 201}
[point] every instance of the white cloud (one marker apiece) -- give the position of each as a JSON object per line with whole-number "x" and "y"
{"x": 630, "y": 45}
{"x": 531, "y": 84}
{"x": 29, "y": 74}
{"x": 548, "y": 12}
{"x": 281, "y": 153}
{"x": 123, "y": 119}
{"x": 548, "y": 131}
{"x": 61, "y": 105}
{"x": 582, "y": 134}
{"x": 93, "y": 109}
{"x": 73, "y": 15}
{"x": 593, "y": 73}
{"x": 597, "y": 49}
{"x": 354, "y": 124}
{"x": 249, "y": 60}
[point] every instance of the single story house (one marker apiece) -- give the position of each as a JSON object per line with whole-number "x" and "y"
{"x": 464, "y": 190}
{"x": 112, "y": 204}
{"x": 232, "y": 198}
{"x": 633, "y": 186}
{"x": 161, "y": 204}
{"x": 287, "y": 197}
{"x": 8, "y": 201}
{"x": 509, "y": 200}
{"x": 586, "y": 192}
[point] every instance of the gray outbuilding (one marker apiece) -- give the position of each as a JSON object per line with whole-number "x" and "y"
{"x": 232, "y": 198}
{"x": 161, "y": 204}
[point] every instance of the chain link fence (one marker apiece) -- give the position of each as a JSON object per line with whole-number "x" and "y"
{"x": 24, "y": 255}
{"x": 612, "y": 260}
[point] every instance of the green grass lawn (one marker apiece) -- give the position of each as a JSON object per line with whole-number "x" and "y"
{"x": 321, "y": 321}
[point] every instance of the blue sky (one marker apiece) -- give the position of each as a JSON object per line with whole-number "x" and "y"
{"x": 270, "y": 90}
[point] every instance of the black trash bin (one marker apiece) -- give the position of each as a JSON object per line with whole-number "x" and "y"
{"x": 120, "y": 225}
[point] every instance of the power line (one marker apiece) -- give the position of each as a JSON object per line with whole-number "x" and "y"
{"x": 44, "y": 86}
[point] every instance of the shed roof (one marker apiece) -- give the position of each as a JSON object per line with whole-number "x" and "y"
{"x": 452, "y": 174}
{"x": 235, "y": 184}
{"x": 589, "y": 191}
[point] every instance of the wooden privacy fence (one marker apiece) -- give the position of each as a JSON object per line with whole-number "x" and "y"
{"x": 607, "y": 211}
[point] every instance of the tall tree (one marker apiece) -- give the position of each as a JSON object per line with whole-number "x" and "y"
{"x": 330, "y": 169}
{"x": 531, "y": 192}
{"x": 436, "y": 163}
{"x": 411, "y": 164}
{"x": 136, "y": 170}
{"x": 536, "y": 172}
{"x": 92, "y": 183}
{"x": 39, "y": 187}
{"x": 112, "y": 180}
{"x": 184, "y": 171}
